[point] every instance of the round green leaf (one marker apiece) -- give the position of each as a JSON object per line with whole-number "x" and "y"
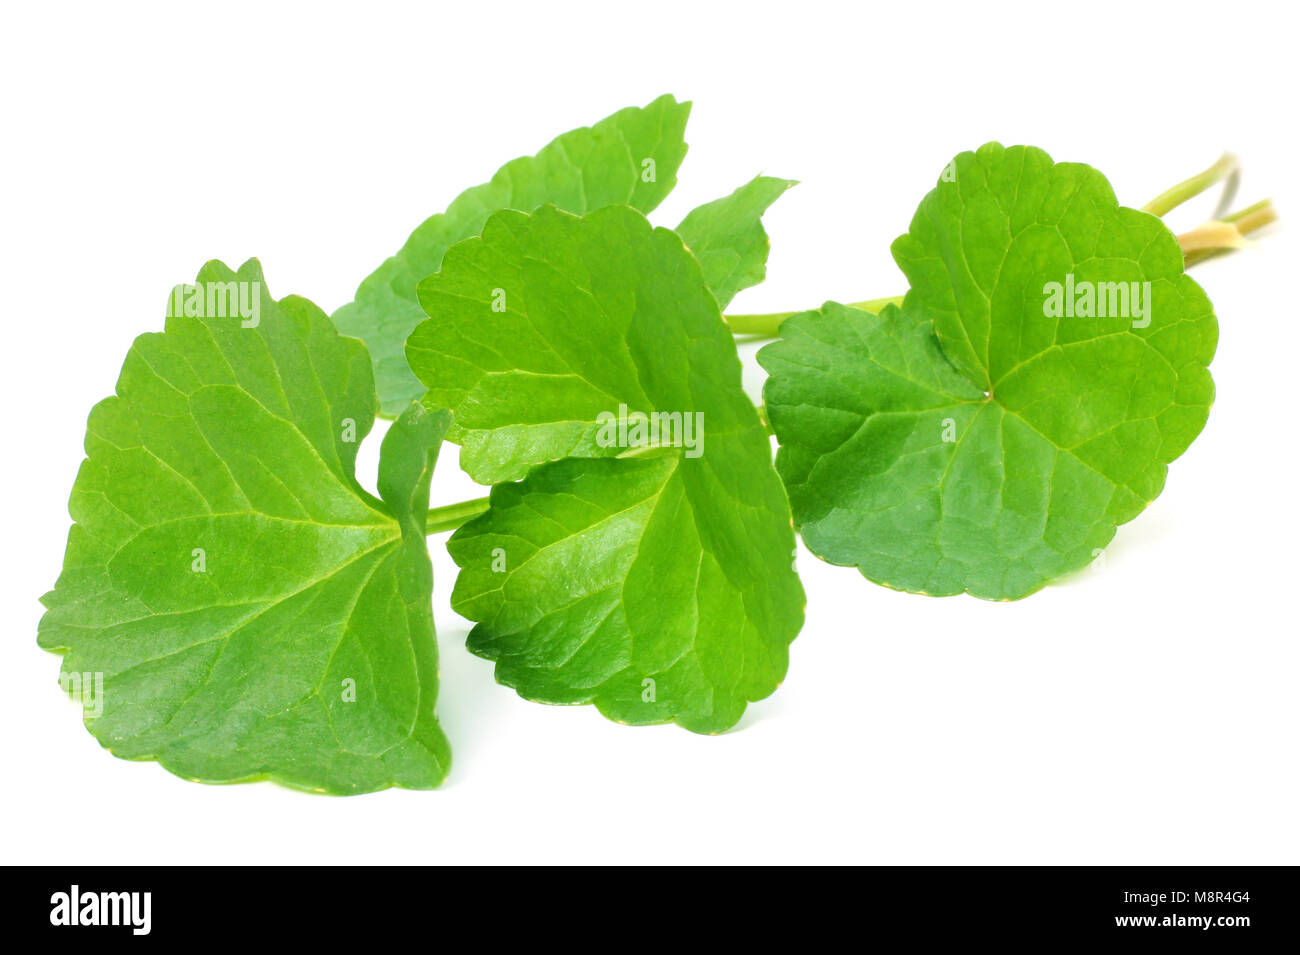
{"x": 991, "y": 434}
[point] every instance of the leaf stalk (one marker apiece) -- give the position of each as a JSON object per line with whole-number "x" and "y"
{"x": 451, "y": 516}
{"x": 1225, "y": 167}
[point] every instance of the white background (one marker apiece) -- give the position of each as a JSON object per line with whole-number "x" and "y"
{"x": 1142, "y": 713}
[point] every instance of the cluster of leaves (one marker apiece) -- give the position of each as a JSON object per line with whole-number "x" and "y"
{"x": 253, "y": 612}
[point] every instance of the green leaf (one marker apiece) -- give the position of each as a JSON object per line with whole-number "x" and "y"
{"x": 727, "y": 236}
{"x": 513, "y": 385}
{"x": 971, "y": 441}
{"x": 252, "y": 611}
{"x": 630, "y": 157}
{"x": 502, "y": 382}
{"x": 657, "y": 585}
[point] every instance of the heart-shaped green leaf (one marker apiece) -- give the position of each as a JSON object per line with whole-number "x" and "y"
{"x": 525, "y": 392}
{"x": 1049, "y": 361}
{"x": 232, "y": 603}
{"x": 650, "y": 573}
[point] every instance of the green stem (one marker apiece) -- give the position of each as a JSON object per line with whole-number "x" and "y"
{"x": 1253, "y": 216}
{"x": 451, "y": 516}
{"x": 1175, "y": 196}
{"x": 765, "y": 326}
